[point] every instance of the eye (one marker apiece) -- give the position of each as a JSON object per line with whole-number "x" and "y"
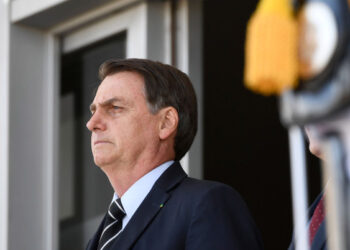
{"x": 114, "y": 109}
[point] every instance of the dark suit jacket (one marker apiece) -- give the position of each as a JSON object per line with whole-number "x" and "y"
{"x": 319, "y": 242}
{"x": 185, "y": 213}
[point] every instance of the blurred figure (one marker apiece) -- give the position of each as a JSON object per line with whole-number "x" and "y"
{"x": 317, "y": 226}
{"x": 340, "y": 125}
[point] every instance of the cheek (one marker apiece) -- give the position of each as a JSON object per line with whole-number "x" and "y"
{"x": 138, "y": 135}
{"x": 129, "y": 129}
{"x": 133, "y": 132}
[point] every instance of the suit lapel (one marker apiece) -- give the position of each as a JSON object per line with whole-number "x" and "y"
{"x": 320, "y": 237}
{"x": 150, "y": 207}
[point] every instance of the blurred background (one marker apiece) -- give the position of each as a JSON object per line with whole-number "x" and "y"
{"x": 51, "y": 194}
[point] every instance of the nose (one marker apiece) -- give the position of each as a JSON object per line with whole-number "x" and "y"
{"x": 96, "y": 122}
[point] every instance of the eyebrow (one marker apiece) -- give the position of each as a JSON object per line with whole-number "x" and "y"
{"x": 106, "y": 103}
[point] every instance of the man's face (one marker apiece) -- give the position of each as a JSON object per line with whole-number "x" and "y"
{"x": 315, "y": 143}
{"x": 123, "y": 130}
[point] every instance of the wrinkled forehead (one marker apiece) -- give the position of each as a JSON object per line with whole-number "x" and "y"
{"x": 122, "y": 86}
{"x": 125, "y": 82}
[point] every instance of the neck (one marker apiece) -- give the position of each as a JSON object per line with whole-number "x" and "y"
{"x": 123, "y": 177}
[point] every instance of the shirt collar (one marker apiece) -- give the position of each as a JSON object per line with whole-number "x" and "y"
{"x": 134, "y": 196}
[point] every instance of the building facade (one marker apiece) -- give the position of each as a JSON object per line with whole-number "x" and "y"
{"x": 51, "y": 194}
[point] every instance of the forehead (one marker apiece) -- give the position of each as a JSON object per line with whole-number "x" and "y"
{"x": 124, "y": 85}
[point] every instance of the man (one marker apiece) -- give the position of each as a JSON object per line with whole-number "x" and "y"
{"x": 317, "y": 222}
{"x": 144, "y": 119}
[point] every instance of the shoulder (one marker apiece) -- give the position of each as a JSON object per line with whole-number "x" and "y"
{"x": 228, "y": 214}
{"x": 204, "y": 188}
{"x": 210, "y": 193}
{"x": 210, "y": 197}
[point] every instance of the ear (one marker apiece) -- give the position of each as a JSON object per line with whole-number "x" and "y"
{"x": 168, "y": 122}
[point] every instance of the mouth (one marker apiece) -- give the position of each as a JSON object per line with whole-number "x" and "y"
{"x": 100, "y": 142}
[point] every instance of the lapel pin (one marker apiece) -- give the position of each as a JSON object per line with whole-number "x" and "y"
{"x": 161, "y": 205}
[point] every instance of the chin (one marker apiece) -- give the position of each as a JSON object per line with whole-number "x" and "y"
{"x": 316, "y": 152}
{"x": 101, "y": 161}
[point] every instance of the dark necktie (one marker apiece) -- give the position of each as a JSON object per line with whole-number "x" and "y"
{"x": 317, "y": 219}
{"x": 112, "y": 226}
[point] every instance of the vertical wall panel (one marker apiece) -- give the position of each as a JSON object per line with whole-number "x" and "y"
{"x": 4, "y": 139}
{"x": 27, "y": 140}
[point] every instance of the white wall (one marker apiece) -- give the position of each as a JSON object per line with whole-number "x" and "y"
{"x": 4, "y": 139}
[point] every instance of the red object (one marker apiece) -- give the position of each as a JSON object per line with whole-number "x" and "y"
{"x": 317, "y": 219}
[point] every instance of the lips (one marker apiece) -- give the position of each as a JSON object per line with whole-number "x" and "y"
{"x": 101, "y": 142}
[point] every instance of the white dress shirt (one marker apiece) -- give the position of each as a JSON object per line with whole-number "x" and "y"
{"x": 134, "y": 196}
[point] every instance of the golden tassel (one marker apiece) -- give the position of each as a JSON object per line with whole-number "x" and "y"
{"x": 271, "y": 48}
